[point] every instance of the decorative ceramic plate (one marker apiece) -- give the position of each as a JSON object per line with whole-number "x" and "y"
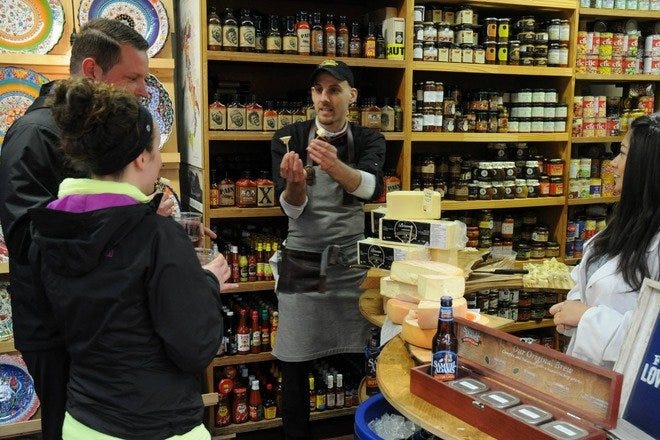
{"x": 30, "y": 26}
{"x": 148, "y": 17}
{"x": 6, "y": 328}
{"x": 18, "y": 400}
{"x": 160, "y": 106}
{"x": 18, "y": 88}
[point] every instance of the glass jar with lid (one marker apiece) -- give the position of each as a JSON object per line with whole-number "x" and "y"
{"x": 553, "y": 55}
{"x": 418, "y": 52}
{"x": 418, "y": 33}
{"x": 461, "y": 190}
{"x": 497, "y": 190}
{"x": 532, "y": 188}
{"x": 429, "y": 51}
{"x": 564, "y": 31}
{"x": 503, "y": 29}
{"x": 544, "y": 186}
{"x": 554, "y": 30}
{"x": 552, "y": 249}
{"x": 464, "y": 15}
{"x": 521, "y": 189}
{"x": 485, "y": 190}
{"x": 563, "y": 55}
{"x": 430, "y": 31}
{"x": 481, "y": 125}
{"x": 527, "y": 23}
{"x": 490, "y": 47}
{"x": 537, "y": 251}
{"x": 514, "y": 52}
{"x": 445, "y": 33}
{"x": 540, "y": 234}
{"x": 532, "y": 169}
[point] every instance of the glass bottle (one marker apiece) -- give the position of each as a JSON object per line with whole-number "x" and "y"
{"x": 265, "y": 190}
{"x": 214, "y": 193}
{"x": 227, "y": 191}
{"x": 330, "y": 396}
{"x": 235, "y": 272}
{"x": 217, "y": 114}
{"x": 240, "y": 407}
{"x": 236, "y": 114}
{"x": 255, "y": 330}
{"x": 284, "y": 116}
{"x": 355, "y": 42}
{"x": 342, "y": 37}
{"x": 370, "y": 42}
{"x": 316, "y": 35}
{"x": 371, "y": 354}
{"x": 387, "y": 116}
{"x": 398, "y": 115}
{"x": 445, "y": 344}
{"x": 255, "y": 404}
{"x": 290, "y": 38}
{"x": 312, "y": 393}
{"x": 259, "y": 37}
{"x": 270, "y": 407}
{"x": 298, "y": 114}
{"x": 270, "y": 117}
{"x": 254, "y": 115}
{"x": 230, "y": 333}
{"x": 372, "y": 115}
{"x": 268, "y": 271}
{"x": 320, "y": 395}
{"x": 381, "y": 49}
{"x": 246, "y": 191}
{"x": 310, "y": 113}
{"x": 275, "y": 320}
{"x": 246, "y": 32}
{"x": 243, "y": 333}
{"x": 330, "y": 36}
{"x": 229, "y": 31}
{"x": 339, "y": 391}
{"x": 265, "y": 322}
{"x": 353, "y": 113}
{"x": 303, "y": 33}
{"x": 214, "y": 30}
{"x": 273, "y": 37}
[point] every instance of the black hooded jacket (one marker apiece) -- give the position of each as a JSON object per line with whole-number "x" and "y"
{"x": 141, "y": 319}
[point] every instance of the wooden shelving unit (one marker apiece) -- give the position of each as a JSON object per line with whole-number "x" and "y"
{"x": 247, "y": 57}
{"x": 595, "y": 77}
{"x": 619, "y": 13}
{"x": 256, "y": 286}
{"x": 594, "y": 140}
{"x": 266, "y": 136}
{"x": 593, "y": 201}
{"x": 491, "y": 69}
{"x": 452, "y": 205}
{"x": 241, "y": 359}
{"x": 488, "y": 137}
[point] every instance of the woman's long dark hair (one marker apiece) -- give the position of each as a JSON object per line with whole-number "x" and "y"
{"x": 636, "y": 218}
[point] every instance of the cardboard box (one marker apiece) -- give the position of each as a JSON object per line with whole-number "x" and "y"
{"x": 394, "y": 31}
{"x": 580, "y": 393}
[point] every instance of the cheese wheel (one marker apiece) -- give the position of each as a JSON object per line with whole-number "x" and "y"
{"x": 411, "y": 333}
{"x": 397, "y": 310}
{"x": 427, "y": 312}
{"x": 409, "y": 271}
{"x": 395, "y": 289}
{"x": 434, "y": 287}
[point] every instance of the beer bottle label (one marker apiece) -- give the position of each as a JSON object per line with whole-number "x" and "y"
{"x": 444, "y": 365}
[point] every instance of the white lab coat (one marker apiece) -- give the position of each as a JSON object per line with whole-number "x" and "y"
{"x": 602, "y": 329}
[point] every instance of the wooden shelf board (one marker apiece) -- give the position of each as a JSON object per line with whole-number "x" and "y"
{"x": 236, "y": 212}
{"x": 527, "y": 325}
{"x": 274, "y": 423}
{"x": 619, "y": 13}
{"x": 62, "y": 61}
{"x": 210, "y": 399}
{"x": 593, "y": 201}
{"x": 219, "y": 135}
{"x": 595, "y": 140}
{"x": 254, "y": 286}
{"x": 492, "y": 69}
{"x": 4, "y": 268}
{"x": 171, "y": 157}
{"x": 517, "y": 5}
{"x": 20, "y": 428}
{"x": 275, "y": 58}
{"x": 489, "y": 137}
{"x": 452, "y": 205}
{"x": 615, "y": 78}
{"x": 7, "y": 346}
{"x": 242, "y": 359}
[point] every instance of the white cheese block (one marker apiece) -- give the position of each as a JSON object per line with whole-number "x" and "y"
{"x": 397, "y": 310}
{"x": 413, "y": 204}
{"x": 395, "y": 289}
{"x": 436, "y": 234}
{"x": 434, "y": 287}
{"x": 378, "y": 253}
{"x": 427, "y": 312}
{"x": 409, "y": 271}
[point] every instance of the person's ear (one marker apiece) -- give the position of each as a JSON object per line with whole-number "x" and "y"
{"x": 90, "y": 69}
{"x": 354, "y": 95}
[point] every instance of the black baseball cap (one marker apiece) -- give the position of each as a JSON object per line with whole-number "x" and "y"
{"x": 336, "y": 68}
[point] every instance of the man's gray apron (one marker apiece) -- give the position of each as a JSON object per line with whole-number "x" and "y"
{"x": 314, "y": 324}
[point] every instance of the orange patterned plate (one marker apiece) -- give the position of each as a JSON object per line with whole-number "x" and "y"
{"x": 30, "y": 26}
{"x": 18, "y": 88}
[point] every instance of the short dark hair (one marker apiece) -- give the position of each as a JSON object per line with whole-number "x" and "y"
{"x": 102, "y": 39}
{"x": 636, "y": 219}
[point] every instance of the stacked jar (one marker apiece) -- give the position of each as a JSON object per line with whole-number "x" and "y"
{"x": 590, "y": 177}
{"x": 515, "y": 304}
{"x": 631, "y": 5}
{"x": 580, "y": 229}
{"x": 537, "y": 111}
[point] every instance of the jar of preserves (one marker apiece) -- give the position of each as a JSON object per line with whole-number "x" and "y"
{"x": 461, "y": 190}
{"x": 503, "y": 29}
{"x": 527, "y": 23}
{"x": 521, "y": 189}
{"x": 468, "y": 53}
{"x": 445, "y": 33}
{"x": 491, "y": 28}
{"x": 464, "y": 34}
{"x": 497, "y": 190}
{"x": 564, "y": 31}
{"x": 473, "y": 191}
{"x": 537, "y": 125}
{"x": 553, "y": 55}
{"x": 485, "y": 190}
{"x": 479, "y": 55}
{"x": 418, "y": 33}
{"x": 523, "y": 254}
{"x": 481, "y": 125}
{"x": 418, "y": 52}
{"x": 507, "y": 227}
{"x": 455, "y": 54}
{"x": 429, "y": 51}
{"x": 537, "y": 251}
{"x": 417, "y": 122}
{"x": 554, "y": 30}
{"x": 556, "y": 186}
{"x": 502, "y": 52}
{"x": 464, "y": 15}
{"x": 552, "y": 250}
{"x": 544, "y": 186}
{"x": 563, "y": 55}
{"x": 429, "y": 118}
{"x": 430, "y": 32}
{"x": 541, "y": 37}
{"x": 514, "y": 52}
{"x": 532, "y": 188}
{"x": 540, "y": 234}
{"x": 524, "y": 125}
{"x": 491, "y": 51}
{"x": 509, "y": 189}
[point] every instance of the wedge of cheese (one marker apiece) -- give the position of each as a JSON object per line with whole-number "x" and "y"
{"x": 409, "y": 271}
{"x": 378, "y": 253}
{"x": 413, "y": 334}
{"x": 413, "y": 204}
{"x": 436, "y": 234}
{"x": 427, "y": 312}
{"x": 397, "y": 310}
{"x": 395, "y": 289}
{"x": 434, "y": 287}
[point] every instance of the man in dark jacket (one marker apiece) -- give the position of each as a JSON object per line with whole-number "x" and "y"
{"x": 31, "y": 169}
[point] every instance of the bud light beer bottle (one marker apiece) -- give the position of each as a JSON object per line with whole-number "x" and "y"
{"x": 444, "y": 365}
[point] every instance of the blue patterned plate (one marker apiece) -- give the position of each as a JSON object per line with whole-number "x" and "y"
{"x": 18, "y": 88}
{"x": 30, "y": 26}
{"x": 148, "y": 17}
{"x": 160, "y": 105}
{"x": 18, "y": 400}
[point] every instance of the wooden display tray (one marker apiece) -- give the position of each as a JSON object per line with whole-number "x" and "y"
{"x": 571, "y": 389}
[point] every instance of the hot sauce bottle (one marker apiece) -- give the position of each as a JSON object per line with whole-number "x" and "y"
{"x": 246, "y": 32}
{"x": 224, "y": 413}
{"x": 316, "y": 35}
{"x": 355, "y": 42}
{"x": 229, "y": 31}
{"x": 246, "y": 191}
{"x": 370, "y": 42}
{"x": 227, "y": 191}
{"x": 214, "y": 193}
{"x": 273, "y": 37}
{"x": 240, "y": 407}
{"x": 243, "y": 333}
{"x": 342, "y": 37}
{"x": 254, "y": 115}
{"x": 217, "y": 114}
{"x": 270, "y": 116}
{"x": 330, "y": 36}
{"x": 303, "y": 32}
{"x": 265, "y": 190}
{"x": 214, "y": 30}
{"x": 255, "y": 406}
{"x": 290, "y": 38}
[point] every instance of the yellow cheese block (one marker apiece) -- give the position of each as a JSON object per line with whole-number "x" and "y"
{"x": 434, "y": 287}
{"x": 395, "y": 289}
{"x": 427, "y": 312}
{"x": 409, "y": 271}
{"x": 413, "y": 204}
{"x": 397, "y": 310}
{"x": 413, "y": 334}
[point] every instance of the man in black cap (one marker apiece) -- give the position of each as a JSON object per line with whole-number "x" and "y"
{"x": 324, "y": 170}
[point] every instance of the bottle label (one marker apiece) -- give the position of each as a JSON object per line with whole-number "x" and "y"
{"x": 339, "y": 400}
{"x": 290, "y": 44}
{"x": 274, "y": 43}
{"x": 342, "y": 45}
{"x": 218, "y": 118}
{"x": 330, "y": 400}
{"x": 270, "y": 412}
{"x": 227, "y": 195}
{"x": 254, "y": 120}
{"x": 256, "y": 338}
{"x": 236, "y": 119}
{"x": 317, "y": 42}
{"x": 303, "y": 41}
{"x": 266, "y": 195}
{"x": 270, "y": 123}
{"x": 444, "y": 365}
{"x": 246, "y": 36}
{"x": 215, "y": 35}
{"x": 230, "y": 36}
{"x": 330, "y": 44}
{"x": 243, "y": 342}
